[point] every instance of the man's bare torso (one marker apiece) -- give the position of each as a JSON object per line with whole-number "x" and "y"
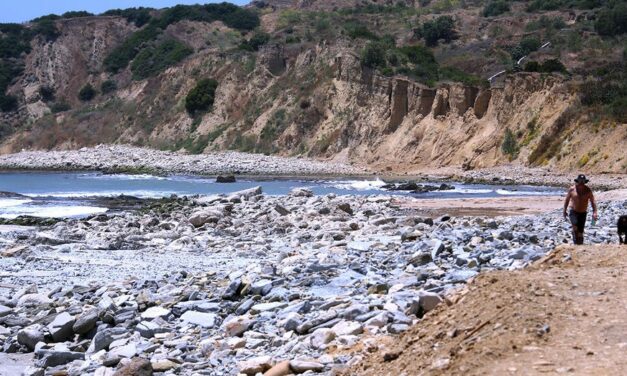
{"x": 579, "y": 201}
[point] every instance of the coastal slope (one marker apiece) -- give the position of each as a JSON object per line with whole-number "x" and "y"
{"x": 563, "y": 315}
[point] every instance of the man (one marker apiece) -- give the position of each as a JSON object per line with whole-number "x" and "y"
{"x": 578, "y": 196}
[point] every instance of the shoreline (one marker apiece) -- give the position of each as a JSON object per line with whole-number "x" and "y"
{"x": 122, "y": 159}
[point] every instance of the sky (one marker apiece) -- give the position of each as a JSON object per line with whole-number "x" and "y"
{"x": 24, "y": 10}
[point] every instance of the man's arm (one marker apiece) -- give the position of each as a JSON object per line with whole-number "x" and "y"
{"x": 595, "y": 214}
{"x": 566, "y": 202}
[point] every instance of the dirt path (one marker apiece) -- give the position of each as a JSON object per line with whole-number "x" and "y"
{"x": 567, "y": 314}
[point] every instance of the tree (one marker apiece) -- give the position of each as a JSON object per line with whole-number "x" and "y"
{"x": 87, "y": 93}
{"x": 46, "y": 93}
{"x": 440, "y": 28}
{"x": 201, "y": 97}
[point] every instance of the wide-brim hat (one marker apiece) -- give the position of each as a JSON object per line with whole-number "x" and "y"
{"x": 581, "y": 179}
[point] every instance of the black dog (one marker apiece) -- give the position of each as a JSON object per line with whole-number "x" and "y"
{"x": 621, "y": 225}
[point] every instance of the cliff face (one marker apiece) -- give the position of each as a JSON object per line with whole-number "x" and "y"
{"x": 306, "y": 98}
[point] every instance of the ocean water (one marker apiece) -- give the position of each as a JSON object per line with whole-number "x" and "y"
{"x": 71, "y": 194}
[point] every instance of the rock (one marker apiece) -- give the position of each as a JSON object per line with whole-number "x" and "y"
{"x": 163, "y": 365}
{"x": 5, "y": 311}
{"x": 154, "y": 312}
{"x": 301, "y": 192}
{"x": 290, "y": 322}
{"x": 126, "y": 351}
{"x": 14, "y": 251}
{"x": 205, "y": 320}
{"x": 225, "y": 179}
{"x": 33, "y": 371}
{"x": 323, "y": 318}
{"x": 506, "y": 235}
{"x": 61, "y": 327}
{"x": 438, "y": 247}
{"x": 420, "y": 258}
{"x": 344, "y": 328}
{"x": 202, "y": 217}
{"x": 33, "y": 300}
{"x": 86, "y": 321}
{"x": 256, "y": 365}
{"x": 137, "y": 367}
{"x": 53, "y": 358}
{"x": 279, "y": 369}
{"x": 147, "y": 329}
{"x": 264, "y": 307}
{"x": 428, "y": 300}
{"x": 345, "y": 207}
{"x": 281, "y": 210}
{"x": 397, "y": 328}
{"x": 261, "y": 287}
{"x": 247, "y": 194}
{"x": 101, "y": 341}
{"x": 30, "y": 336}
{"x": 232, "y": 289}
{"x": 237, "y": 326}
{"x": 320, "y": 337}
{"x": 301, "y": 366}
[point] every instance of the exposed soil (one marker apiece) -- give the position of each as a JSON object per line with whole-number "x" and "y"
{"x": 566, "y": 314}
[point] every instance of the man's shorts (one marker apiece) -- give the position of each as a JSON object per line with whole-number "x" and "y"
{"x": 578, "y": 219}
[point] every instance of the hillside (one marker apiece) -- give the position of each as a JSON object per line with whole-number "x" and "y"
{"x": 392, "y": 85}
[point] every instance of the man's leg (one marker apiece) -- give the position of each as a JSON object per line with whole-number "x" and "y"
{"x": 575, "y": 232}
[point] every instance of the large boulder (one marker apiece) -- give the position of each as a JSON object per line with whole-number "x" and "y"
{"x": 61, "y": 327}
{"x": 30, "y": 336}
{"x": 202, "y": 217}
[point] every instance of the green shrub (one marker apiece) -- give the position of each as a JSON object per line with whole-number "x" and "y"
{"x": 256, "y": 41}
{"x": 108, "y": 86}
{"x": 201, "y": 97}
{"x": 8, "y": 103}
{"x": 8, "y": 71}
{"x": 373, "y": 55}
{"x": 457, "y": 75}
{"x": 87, "y": 93}
{"x": 440, "y": 28}
{"x": 14, "y": 41}
{"x": 548, "y": 66}
{"x": 356, "y": 30}
{"x": 139, "y": 16}
{"x": 495, "y": 8}
{"x": 59, "y": 107}
{"x": 47, "y": 28}
{"x": 509, "y": 145}
{"x": 122, "y": 55}
{"x": 155, "y": 59}
{"x": 552, "y": 65}
{"x": 46, "y": 93}
{"x": 545, "y": 22}
{"x": 76, "y": 14}
{"x": 612, "y": 21}
{"x": 530, "y": 44}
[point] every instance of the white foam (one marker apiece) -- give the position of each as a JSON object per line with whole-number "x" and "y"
{"x": 135, "y": 193}
{"x": 55, "y": 211}
{"x": 122, "y": 177}
{"x": 470, "y": 191}
{"x": 505, "y": 192}
{"x": 11, "y": 202}
{"x": 359, "y": 185}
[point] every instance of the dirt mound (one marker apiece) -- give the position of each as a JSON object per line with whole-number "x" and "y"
{"x": 565, "y": 314}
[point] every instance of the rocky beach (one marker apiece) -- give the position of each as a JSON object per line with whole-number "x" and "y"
{"x": 247, "y": 283}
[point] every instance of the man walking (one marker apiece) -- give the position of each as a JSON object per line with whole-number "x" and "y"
{"x": 578, "y": 196}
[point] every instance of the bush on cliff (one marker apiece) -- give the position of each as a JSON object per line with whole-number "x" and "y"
{"x": 509, "y": 145}
{"x": 139, "y": 16}
{"x": 200, "y": 98}
{"x": 155, "y": 59}
{"x": 87, "y": 93}
{"x": 495, "y": 8}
